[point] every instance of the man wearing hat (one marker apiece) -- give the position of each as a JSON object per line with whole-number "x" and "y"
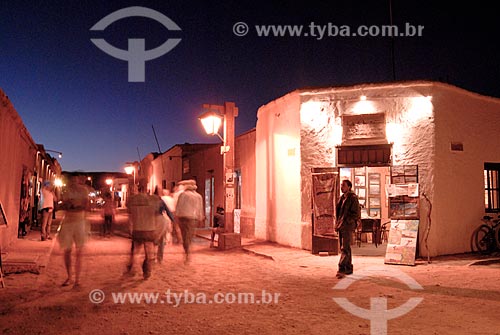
{"x": 189, "y": 211}
{"x": 47, "y": 207}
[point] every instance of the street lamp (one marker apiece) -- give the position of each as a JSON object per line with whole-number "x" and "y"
{"x": 130, "y": 169}
{"x": 57, "y": 152}
{"x": 58, "y": 182}
{"x": 109, "y": 182}
{"x": 211, "y": 119}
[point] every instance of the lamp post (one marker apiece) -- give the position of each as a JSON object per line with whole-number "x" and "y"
{"x": 211, "y": 119}
{"x": 130, "y": 169}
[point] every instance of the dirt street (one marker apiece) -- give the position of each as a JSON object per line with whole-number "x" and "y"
{"x": 293, "y": 294}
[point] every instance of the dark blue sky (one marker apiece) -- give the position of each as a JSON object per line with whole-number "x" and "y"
{"x": 76, "y": 99}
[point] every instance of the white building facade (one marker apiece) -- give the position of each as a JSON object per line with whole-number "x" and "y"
{"x": 447, "y": 133}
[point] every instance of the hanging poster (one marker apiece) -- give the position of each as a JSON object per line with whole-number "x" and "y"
{"x": 236, "y": 221}
{"x": 402, "y": 242}
{"x": 324, "y": 186}
{"x": 3, "y": 217}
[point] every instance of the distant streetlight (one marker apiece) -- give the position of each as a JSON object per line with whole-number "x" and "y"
{"x": 211, "y": 119}
{"x": 130, "y": 169}
{"x": 58, "y": 182}
{"x": 57, "y": 152}
{"x": 109, "y": 182}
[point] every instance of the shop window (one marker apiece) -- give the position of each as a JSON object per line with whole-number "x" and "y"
{"x": 491, "y": 187}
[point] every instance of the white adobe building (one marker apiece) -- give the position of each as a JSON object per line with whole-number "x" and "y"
{"x": 450, "y": 134}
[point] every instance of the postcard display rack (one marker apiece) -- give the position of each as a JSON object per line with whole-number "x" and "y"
{"x": 404, "y": 213}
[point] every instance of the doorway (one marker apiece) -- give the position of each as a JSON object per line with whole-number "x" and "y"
{"x": 368, "y": 182}
{"x": 209, "y": 201}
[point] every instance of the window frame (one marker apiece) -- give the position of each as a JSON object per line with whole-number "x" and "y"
{"x": 491, "y": 192}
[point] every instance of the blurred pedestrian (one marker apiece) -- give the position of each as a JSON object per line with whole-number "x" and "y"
{"x": 24, "y": 218}
{"x": 108, "y": 212}
{"x": 47, "y": 207}
{"x": 189, "y": 212}
{"x": 74, "y": 227}
{"x": 169, "y": 201}
{"x": 348, "y": 213}
{"x": 166, "y": 217}
{"x": 176, "y": 230}
{"x": 170, "y": 198}
{"x": 144, "y": 209}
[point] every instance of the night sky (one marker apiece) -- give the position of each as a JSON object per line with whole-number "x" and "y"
{"x": 75, "y": 98}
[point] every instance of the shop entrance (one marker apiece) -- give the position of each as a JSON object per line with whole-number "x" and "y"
{"x": 368, "y": 182}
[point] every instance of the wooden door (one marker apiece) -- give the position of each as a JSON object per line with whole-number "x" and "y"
{"x": 325, "y": 190}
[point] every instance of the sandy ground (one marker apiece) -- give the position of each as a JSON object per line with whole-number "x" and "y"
{"x": 458, "y": 298}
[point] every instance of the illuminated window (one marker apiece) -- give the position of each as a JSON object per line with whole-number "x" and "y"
{"x": 491, "y": 187}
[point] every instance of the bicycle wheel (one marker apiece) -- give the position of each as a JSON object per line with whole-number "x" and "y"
{"x": 484, "y": 239}
{"x": 474, "y": 238}
{"x": 473, "y": 247}
{"x": 497, "y": 237}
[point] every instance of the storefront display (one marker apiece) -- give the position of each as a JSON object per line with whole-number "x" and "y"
{"x": 403, "y": 195}
{"x": 402, "y": 242}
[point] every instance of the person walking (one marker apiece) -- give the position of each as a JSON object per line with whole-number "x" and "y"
{"x": 165, "y": 219}
{"x": 189, "y": 212}
{"x": 348, "y": 213}
{"x": 47, "y": 207}
{"x": 144, "y": 209}
{"x": 108, "y": 212}
{"x": 169, "y": 201}
{"x": 172, "y": 200}
{"x": 74, "y": 227}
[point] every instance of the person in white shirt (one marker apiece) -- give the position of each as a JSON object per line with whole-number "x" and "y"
{"x": 47, "y": 207}
{"x": 189, "y": 212}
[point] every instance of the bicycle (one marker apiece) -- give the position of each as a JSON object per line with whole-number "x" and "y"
{"x": 486, "y": 238}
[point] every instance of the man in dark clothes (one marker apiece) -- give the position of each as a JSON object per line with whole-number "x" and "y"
{"x": 348, "y": 214}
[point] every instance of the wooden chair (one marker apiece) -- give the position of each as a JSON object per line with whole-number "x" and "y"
{"x": 369, "y": 226}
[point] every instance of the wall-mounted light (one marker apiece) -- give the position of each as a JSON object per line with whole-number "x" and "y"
{"x": 211, "y": 122}
{"x": 57, "y": 152}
